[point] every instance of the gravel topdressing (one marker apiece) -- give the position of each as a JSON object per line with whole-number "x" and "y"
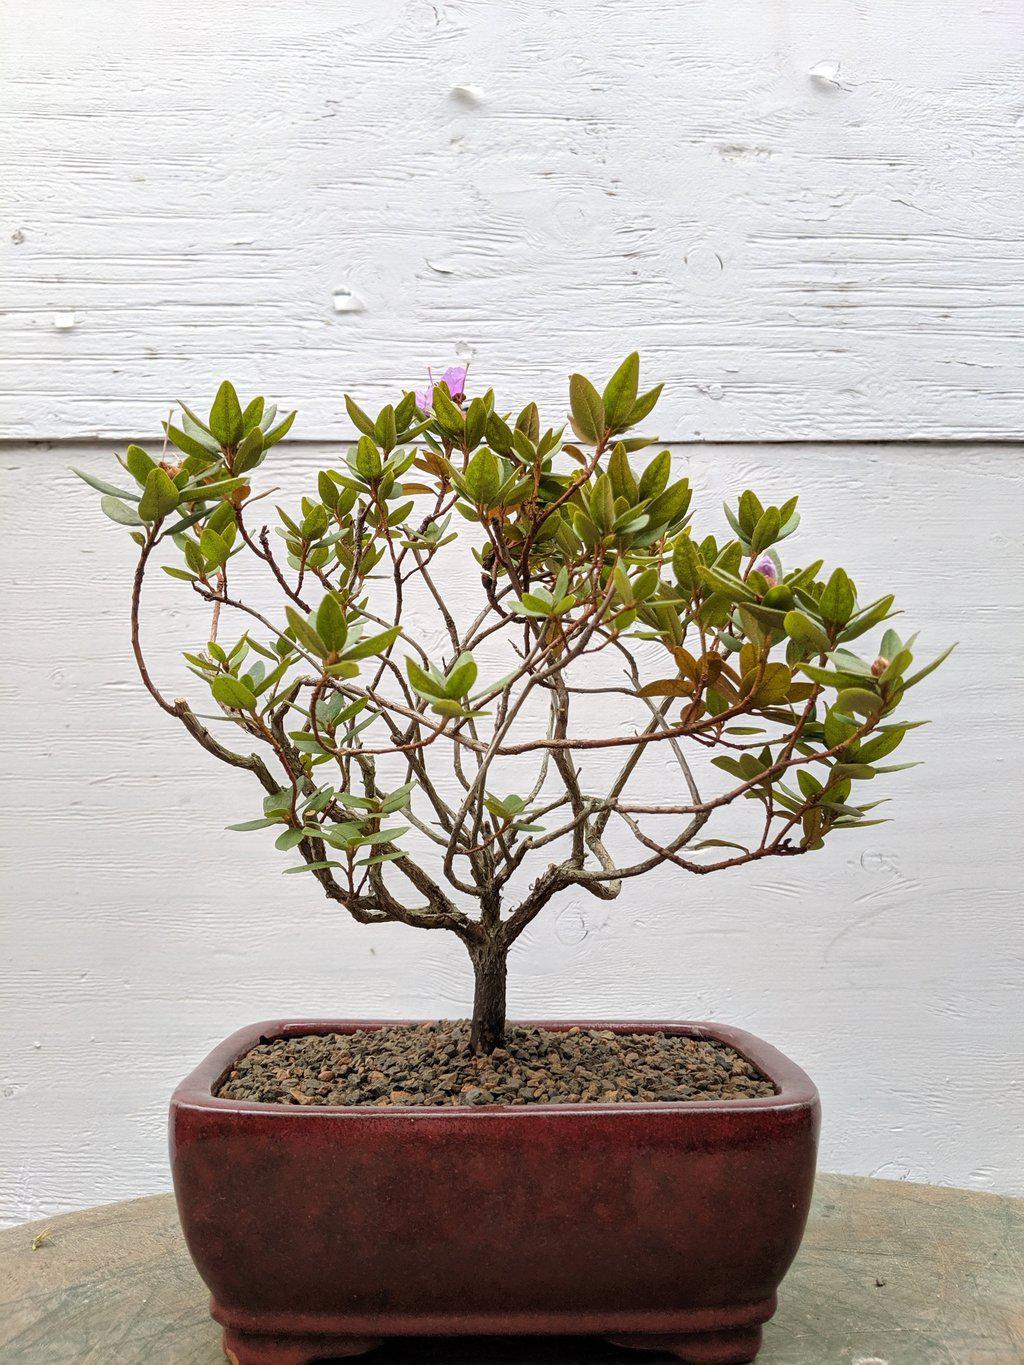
{"x": 431, "y": 1064}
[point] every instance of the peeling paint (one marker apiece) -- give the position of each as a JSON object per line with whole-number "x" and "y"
{"x": 827, "y": 73}
{"x": 471, "y": 95}
{"x": 347, "y": 302}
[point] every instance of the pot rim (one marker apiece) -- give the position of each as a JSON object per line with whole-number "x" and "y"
{"x": 795, "y": 1089}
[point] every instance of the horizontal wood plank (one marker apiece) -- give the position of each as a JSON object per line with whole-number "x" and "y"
{"x": 806, "y": 217}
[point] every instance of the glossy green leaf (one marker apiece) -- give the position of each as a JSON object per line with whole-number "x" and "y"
{"x": 305, "y": 633}
{"x": 331, "y": 625}
{"x": 587, "y": 409}
{"x": 119, "y": 511}
{"x": 101, "y": 486}
{"x": 226, "y": 416}
{"x": 838, "y": 600}
{"x": 858, "y": 700}
{"x": 158, "y": 497}
{"x": 461, "y": 676}
{"x": 620, "y": 392}
{"x": 232, "y": 692}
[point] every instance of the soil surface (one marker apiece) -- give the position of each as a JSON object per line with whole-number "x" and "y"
{"x": 431, "y": 1064}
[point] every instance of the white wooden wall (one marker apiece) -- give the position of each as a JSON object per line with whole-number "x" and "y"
{"x": 806, "y": 216}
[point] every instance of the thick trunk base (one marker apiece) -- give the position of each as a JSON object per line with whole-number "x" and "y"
{"x": 490, "y": 971}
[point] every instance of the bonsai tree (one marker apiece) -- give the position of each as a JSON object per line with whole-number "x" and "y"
{"x": 424, "y": 763}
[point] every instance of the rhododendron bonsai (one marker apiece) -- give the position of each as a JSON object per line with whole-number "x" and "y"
{"x": 459, "y": 768}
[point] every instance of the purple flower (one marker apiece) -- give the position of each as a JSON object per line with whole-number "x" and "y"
{"x": 765, "y": 566}
{"x": 454, "y": 379}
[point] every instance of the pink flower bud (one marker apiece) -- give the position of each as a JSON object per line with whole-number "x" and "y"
{"x": 765, "y": 566}
{"x": 879, "y": 666}
{"x": 454, "y": 379}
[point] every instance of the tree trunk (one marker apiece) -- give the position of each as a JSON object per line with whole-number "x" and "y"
{"x": 489, "y": 966}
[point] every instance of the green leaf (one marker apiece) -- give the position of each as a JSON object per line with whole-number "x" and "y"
{"x": 374, "y": 644}
{"x": 226, "y": 416}
{"x": 928, "y": 668}
{"x": 838, "y": 600}
{"x": 214, "y": 547}
{"x": 620, "y": 392}
{"x": 249, "y": 452}
{"x": 881, "y": 745}
{"x": 398, "y": 799}
{"x": 644, "y": 405}
{"x": 806, "y": 632}
{"x": 385, "y": 429}
{"x": 483, "y": 478}
{"x": 138, "y": 463}
{"x": 602, "y": 504}
{"x": 367, "y": 461}
{"x": 331, "y": 625}
{"x": 670, "y": 505}
{"x": 422, "y": 682}
{"x": 310, "y": 867}
{"x": 870, "y": 616}
{"x": 719, "y": 843}
{"x": 655, "y": 477}
{"x": 809, "y": 785}
{"x": 196, "y": 421}
{"x": 305, "y": 633}
{"x": 405, "y": 413}
{"x": 208, "y": 492}
{"x": 461, "y": 676}
{"x": 247, "y": 825}
{"x": 774, "y": 684}
{"x": 667, "y": 687}
{"x": 859, "y": 700}
{"x": 288, "y": 838}
{"x": 327, "y": 489}
{"x": 278, "y": 433}
{"x": 766, "y": 531}
{"x": 624, "y": 484}
{"x": 532, "y": 605}
{"x": 159, "y": 495}
{"x": 687, "y": 564}
{"x": 359, "y": 418}
{"x": 381, "y": 836}
{"x": 101, "y": 486}
{"x": 477, "y": 415}
{"x": 857, "y": 772}
{"x": 185, "y": 443}
{"x": 587, "y": 409}
{"x": 723, "y": 581}
{"x": 233, "y": 693}
{"x": 119, "y": 511}
{"x": 447, "y": 413}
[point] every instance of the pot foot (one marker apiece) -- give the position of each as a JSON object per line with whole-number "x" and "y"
{"x": 733, "y": 1346}
{"x": 248, "y": 1348}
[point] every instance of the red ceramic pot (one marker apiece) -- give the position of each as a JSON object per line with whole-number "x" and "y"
{"x": 322, "y": 1230}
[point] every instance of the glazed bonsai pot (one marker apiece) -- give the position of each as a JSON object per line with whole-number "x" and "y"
{"x": 321, "y": 1231}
